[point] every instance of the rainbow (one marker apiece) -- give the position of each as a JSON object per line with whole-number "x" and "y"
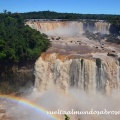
{"x": 30, "y": 104}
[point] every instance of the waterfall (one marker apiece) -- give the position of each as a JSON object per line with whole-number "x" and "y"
{"x": 71, "y": 27}
{"x": 92, "y": 75}
{"x": 80, "y": 74}
{"x": 102, "y": 27}
{"x": 96, "y": 74}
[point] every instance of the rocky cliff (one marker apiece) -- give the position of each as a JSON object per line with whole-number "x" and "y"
{"x": 15, "y": 77}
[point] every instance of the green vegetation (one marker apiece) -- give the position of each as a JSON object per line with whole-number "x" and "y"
{"x": 66, "y": 117}
{"x": 68, "y": 16}
{"x": 20, "y": 46}
{"x": 19, "y": 42}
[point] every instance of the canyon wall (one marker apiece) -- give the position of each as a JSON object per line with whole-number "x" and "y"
{"x": 65, "y": 72}
{"x": 15, "y": 77}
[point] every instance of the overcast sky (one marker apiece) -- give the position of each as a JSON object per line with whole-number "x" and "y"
{"x": 70, "y": 6}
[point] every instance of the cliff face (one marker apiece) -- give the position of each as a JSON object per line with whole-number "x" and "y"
{"x": 68, "y": 27}
{"x": 85, "y": 74}
{"x": 15, "y": 77}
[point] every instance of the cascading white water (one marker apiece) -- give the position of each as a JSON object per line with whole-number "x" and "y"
{"x": 87, "y": 74}
{"x": 102, "y": 27}
{"x": 73, "y": 27}
{"x": 91, "y": 75}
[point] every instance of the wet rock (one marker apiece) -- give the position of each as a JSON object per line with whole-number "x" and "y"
{"x": 112, "y": 54}
{"x": 2, "y": 110}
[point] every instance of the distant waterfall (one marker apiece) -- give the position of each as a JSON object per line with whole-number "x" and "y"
{"x": 69, "y": 27}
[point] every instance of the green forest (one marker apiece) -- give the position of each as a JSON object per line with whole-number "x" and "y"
{"x": 115, "y": 19}
{"x": 19, "y": 42}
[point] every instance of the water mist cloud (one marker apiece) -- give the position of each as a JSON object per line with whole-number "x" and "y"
{"x": 71, "y": 29}
{"x": 78, "y": 100}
